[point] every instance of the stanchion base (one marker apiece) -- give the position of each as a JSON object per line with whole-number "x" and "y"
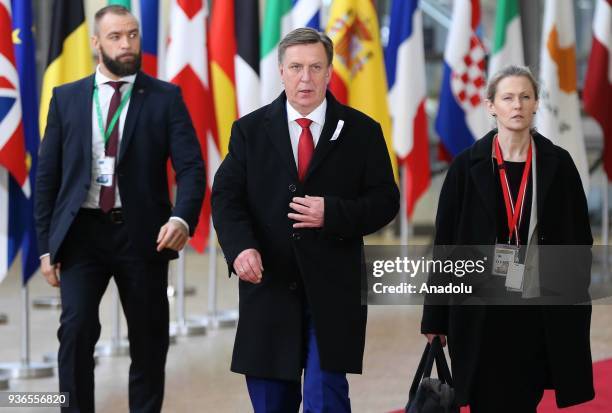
{"x": 51, "y": 358}
{"x": 172, "y": 337}
{"x": 187, "y": 328}
{"x": 47, "y": 302}
{"x": 3, "y": 319}
{"x": 189, "y": 291}
{"x": 4, "y": 382}
{"x": 26, "y": 371}
{"x": 221, "y": 319}
{"x": 112, "y": 349}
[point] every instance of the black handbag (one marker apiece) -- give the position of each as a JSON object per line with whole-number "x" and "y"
{"x": 431, "y": 395}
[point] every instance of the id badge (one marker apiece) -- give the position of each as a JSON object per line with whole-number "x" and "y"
{"x": 105, "y": 171}
{"x": 514, "y": 280}
{"x": 106, "y": 165}
{"x": 503, "y": 257}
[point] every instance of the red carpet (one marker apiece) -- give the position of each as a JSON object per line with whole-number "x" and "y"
{"x": 602, "y": 374}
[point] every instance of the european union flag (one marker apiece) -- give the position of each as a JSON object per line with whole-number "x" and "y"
{"x": 23, "y": 39}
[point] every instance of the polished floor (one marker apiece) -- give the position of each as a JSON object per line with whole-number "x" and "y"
{"x": 198, "y": 376}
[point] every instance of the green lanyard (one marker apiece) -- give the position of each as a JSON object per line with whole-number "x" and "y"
{"x": 106, "y": 134}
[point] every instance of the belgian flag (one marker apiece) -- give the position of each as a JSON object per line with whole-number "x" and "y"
{"x": 70, "y": 56}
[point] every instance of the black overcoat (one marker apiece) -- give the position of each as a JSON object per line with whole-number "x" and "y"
{"x": 250, "y": 202}
{"x": 467, "y": 215}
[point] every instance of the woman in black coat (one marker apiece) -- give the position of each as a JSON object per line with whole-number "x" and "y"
{"x": 504, "y": 356}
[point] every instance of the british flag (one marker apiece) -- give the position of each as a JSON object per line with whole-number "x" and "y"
{"x": 13, "y": 160}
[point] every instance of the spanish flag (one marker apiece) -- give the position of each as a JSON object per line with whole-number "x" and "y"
{"x": 70, "y": 55}
{"x": 359, "y": 78}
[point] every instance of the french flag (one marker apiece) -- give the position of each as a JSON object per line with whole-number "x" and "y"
{"x": 405, "y": 65}
{"x": 462, "y": 117}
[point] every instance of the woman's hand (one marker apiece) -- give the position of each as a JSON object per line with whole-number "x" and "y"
{"x": 430, "y": 338}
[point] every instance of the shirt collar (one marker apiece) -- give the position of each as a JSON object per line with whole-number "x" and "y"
{"x": 101, "y": 78}
{"x": 317, "y": 115}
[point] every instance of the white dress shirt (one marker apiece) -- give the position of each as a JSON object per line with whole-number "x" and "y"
{"x": 105, "y": 93}
{"x": 317, "y": 117}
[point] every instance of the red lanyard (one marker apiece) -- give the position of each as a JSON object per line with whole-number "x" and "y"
{"x": 513, "y": 214}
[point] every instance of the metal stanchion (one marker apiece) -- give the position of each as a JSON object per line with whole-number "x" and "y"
{"x": 117, "y": 346}
{"x": 3, "y": 318}
{"x": 4, "y": 382}
{"x": 182, "y": 326}
{"x": 26, "y": 369}
{"x": 189, "y": 291}
{"x": 48, "y": 302}
{"x": 216, "y": 318}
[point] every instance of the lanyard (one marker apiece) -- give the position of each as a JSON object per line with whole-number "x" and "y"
{"x": 514, "y": 215}
{"x": 106, "y": 134}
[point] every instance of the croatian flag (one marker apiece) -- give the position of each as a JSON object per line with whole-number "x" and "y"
{"x": 405, "y": 64}
{"x": 462, "y": 117}
{"x": 13, "y": 166}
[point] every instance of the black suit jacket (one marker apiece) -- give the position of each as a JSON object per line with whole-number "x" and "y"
{"x": 157, "y": 127}
{"x": 467, "y": 215}
{"x": 250, "y": 202}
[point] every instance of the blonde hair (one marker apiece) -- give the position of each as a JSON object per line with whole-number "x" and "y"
{"x": 510, "y": 71}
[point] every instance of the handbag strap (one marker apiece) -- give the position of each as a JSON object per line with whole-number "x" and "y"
{"x": 444, "y": 373}
{"x": 420, "y": 370}
{"x": 433, "y": 351}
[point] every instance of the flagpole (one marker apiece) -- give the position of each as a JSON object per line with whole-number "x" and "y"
{"x": 215, "y": 318}
{"x": 25, "y": 369}
{"x": 182, "y": 326}
{"x": 604, "y": 210}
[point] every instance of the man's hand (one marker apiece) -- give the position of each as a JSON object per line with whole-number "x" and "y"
{"x": 248, "y": 266}
{"x": 310, "y": 212}
{"x": 172, "y": 235}
{"x": 430, "y": 338}
{"x": 50, "y": 271}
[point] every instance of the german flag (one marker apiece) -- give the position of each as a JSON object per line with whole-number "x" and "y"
{"x": 70, "y": 56}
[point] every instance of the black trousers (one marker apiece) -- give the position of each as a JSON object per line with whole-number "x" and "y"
{"x": 95, "y": 250}
{"x": 512, "y": 371}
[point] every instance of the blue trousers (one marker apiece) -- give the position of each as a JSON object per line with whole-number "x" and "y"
{"x": 324, "y": 391}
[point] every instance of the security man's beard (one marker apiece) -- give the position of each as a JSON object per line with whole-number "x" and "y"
{"x": 122, "y": 68}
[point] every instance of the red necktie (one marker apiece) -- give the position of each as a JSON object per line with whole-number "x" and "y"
{"x": 305, "y": 147}
{"x": 107, "y": 193}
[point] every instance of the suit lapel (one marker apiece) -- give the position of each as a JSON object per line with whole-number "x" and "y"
{"x": 136, "y": 101}
{"x": 85, "y": 100}
{"x": 277, "y": 129}
{"x": 325, "y": 144}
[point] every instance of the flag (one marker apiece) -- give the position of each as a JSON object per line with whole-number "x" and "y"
{"x": 280, "y": 17}
{"x": 222, "y": 53}
{"x": 358, "y": 78}
{"x": 69, "y": 56}
{"x": 558, "y": 115}
{"x": 247, "y": 57}
{"x": 23, "y": 38}
{"x": 234, "y": 63}
{"x": 597, "y": 93}
{"x": 405, "y": 64}
{"x": 147, "y": 13}
{"x": 462, "y": 117}
{"x": 187, "y": 67}
{"x": 13, "y": 164}
{"x": 507, "y": 38}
